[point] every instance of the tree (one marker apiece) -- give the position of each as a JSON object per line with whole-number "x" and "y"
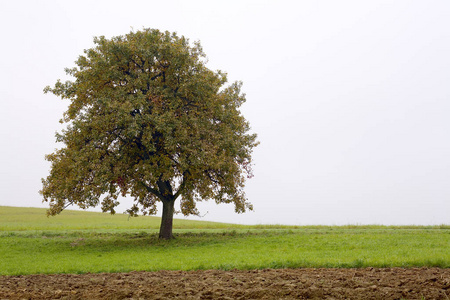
{"x": 149, "y": 120}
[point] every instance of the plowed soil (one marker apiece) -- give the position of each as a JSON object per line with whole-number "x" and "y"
{"x": 369, "y": 283}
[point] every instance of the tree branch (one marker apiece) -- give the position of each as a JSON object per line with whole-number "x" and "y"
{"x": 153, "y": 191}
{"x": 140, "y": 66}
{"x": 181, "y": 187}
{"x": 154, "y": 77}
{"x": 210, "y": 177}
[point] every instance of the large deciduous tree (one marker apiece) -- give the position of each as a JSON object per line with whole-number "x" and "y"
{"x": 149, "y": 120}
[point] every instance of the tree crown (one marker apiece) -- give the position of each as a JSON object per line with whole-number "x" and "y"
{"x": 148, "y": 119}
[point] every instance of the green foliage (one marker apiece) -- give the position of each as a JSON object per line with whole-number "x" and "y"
{"x": 148, "y": 119}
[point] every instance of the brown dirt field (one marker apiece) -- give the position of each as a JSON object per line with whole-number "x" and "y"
{"x": 369, "y": 283}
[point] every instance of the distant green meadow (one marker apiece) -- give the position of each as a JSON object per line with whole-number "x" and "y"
{"x": 26, "y": 219}
{"x": 82, "y": 242}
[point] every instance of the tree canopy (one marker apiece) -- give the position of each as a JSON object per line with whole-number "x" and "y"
{"x": 148, "y": 119}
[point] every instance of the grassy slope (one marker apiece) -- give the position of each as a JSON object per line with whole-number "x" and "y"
{"x": 28, "y": 218}
{"x": 81, "y": 242}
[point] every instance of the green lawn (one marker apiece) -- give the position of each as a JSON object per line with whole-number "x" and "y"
{"x": 83, "y": 242}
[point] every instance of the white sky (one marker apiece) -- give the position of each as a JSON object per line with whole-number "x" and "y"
{"x": 350, "y": 99}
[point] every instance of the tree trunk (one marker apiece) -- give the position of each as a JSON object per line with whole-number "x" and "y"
{"x": 165, "y": 231}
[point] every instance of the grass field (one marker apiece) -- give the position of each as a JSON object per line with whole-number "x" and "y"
{"x": 81, "y": 242}
{"x": 25, "y": 219}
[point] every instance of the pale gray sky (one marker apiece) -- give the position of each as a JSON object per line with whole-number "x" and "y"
{"x": 350, "y": 99}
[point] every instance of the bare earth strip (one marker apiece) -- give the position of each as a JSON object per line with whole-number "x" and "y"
{"x": 369, "y": 283}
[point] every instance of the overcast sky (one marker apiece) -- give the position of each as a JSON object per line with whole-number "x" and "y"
{"x": 350, "y": 99}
